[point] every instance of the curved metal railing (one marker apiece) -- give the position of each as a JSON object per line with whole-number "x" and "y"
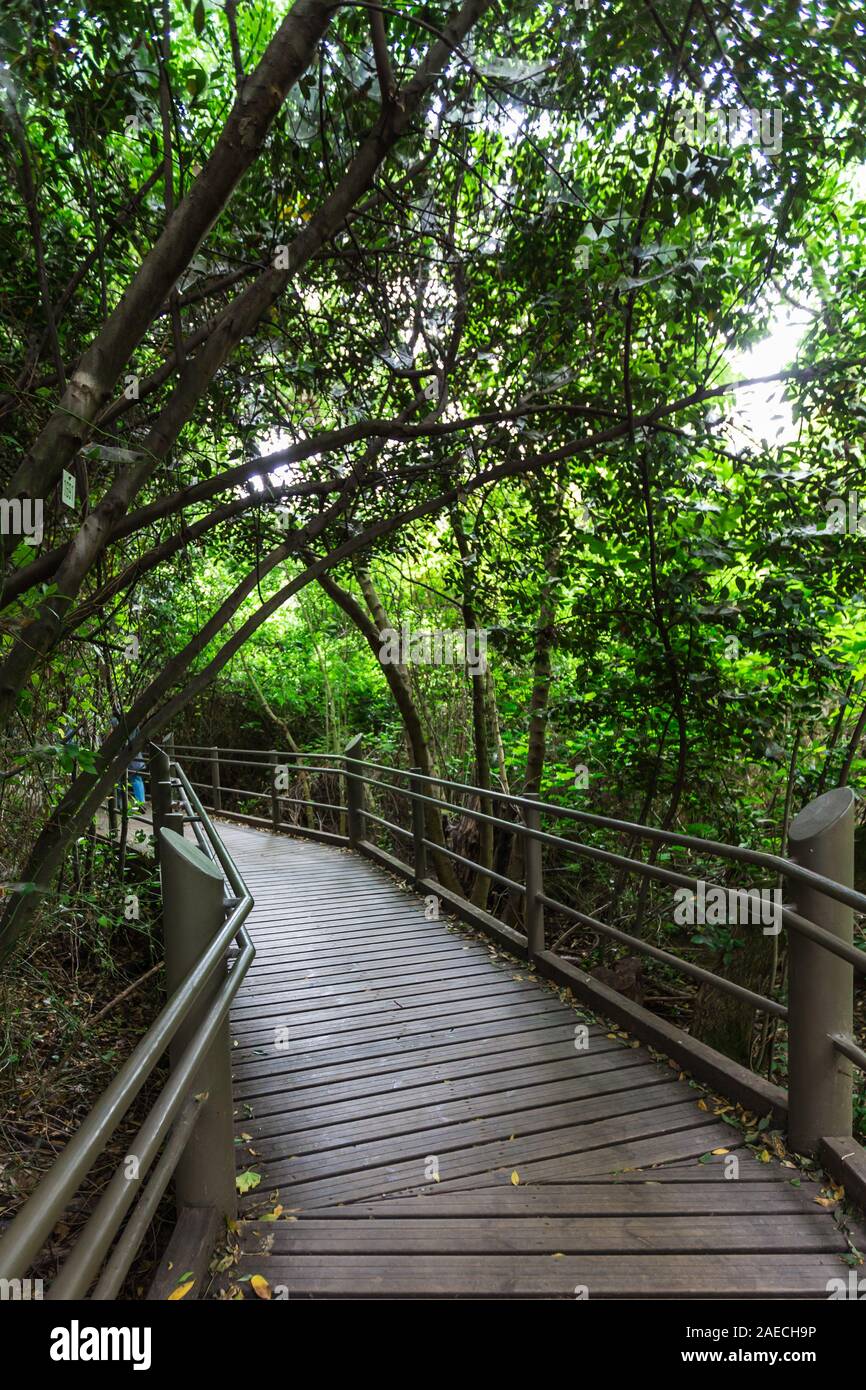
{"x": 204, "y": 913}
{"x": 823, "y": 959}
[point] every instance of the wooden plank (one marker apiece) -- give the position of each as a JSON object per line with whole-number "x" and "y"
{"x": 703, "y": 1169}
{"x": 791, "y": 1232}
{"x": 347, "y": 1011}
{"x": 540, "y": 1276}
{"x": 330, "y": 1104}
{"x": 645, "y": 1198}
{"x": 413, "y": 1049}
{"x": 344, "y": 964}
{"x": 375, "y": 982}
{"x": 365, "y": 949}
{"x": 581, "y": 1100}
{"x": 327, "y": 967}
{"x": 493, "y": 1161}
{"x": 423, "y": 1066}
{"x": 543, "y": 1133}
{"x": 628, "y": 1154}
{"x": 448, "y": 1022}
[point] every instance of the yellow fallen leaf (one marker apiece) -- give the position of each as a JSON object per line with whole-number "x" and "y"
{"x": 702, "y": 1105}
{"x": 719, "y": 1151}
{"x": 558, "y": 1255}
{"x": 764, "y": 1156}
{"x": 181, "y": 1291}
{"x": 515, "y": 1178}
{"x": 260, "y": 1286}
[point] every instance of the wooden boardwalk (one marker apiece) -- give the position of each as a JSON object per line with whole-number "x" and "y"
{"x": 416, "y": 1104}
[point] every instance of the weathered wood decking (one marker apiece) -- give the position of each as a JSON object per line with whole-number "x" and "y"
{"x": 374, "y": 1048}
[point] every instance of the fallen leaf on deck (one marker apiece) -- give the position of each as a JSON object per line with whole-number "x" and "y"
{"x": 181, "y": 1291}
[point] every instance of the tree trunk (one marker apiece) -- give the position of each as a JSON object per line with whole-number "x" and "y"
{"x": 720, "y": 1020}
{"x": 397, "y": 678}
{"x": 480, "y": 711}
{"x": 542, "y": 671}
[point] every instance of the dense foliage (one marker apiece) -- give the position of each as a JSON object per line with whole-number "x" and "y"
{"x": 317, "y": 320}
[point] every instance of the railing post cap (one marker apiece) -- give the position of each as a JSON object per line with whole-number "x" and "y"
{"x": 354, "y": 744}
{"x": 185, "y": 849}
{"x": 820, "y": 815}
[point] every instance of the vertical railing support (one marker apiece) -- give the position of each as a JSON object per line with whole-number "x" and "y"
{"x": 112, "y": 815}
{"x": 418, "y": 828}
{"x": 354, "y": 791}
{"x": 160, "y": 792}
{"x": 215, "y": 779}
{"x": 533, "y": 912}
{"x": 275, "y": 795}
{"x": 193, "y": 912}
{"x": 820, "y": 985}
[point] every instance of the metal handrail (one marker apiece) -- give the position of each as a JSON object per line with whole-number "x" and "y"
{"x": 33, "y": 1223}
{"x": 712, "y": 848}
{"x": 685, "y": 967}
{"x": 811, "y": 930}
{"x": 822, "y": 952}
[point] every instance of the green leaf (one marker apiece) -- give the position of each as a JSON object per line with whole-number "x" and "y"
{"x": 245, "y": 1182}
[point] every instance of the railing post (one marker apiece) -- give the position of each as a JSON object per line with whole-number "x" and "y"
{"x": 820, "y": 985}
{"x": 354, "y": 791}
{"x": 275, "y": 795}
{"x": 533, "y": 912}
{"x": 160, "y": 793}
{"x": 112, "y": 815}
{"x": 215, "y": 779}
{"x": 193, "y": 912}
{"x": 418, "y": 829}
